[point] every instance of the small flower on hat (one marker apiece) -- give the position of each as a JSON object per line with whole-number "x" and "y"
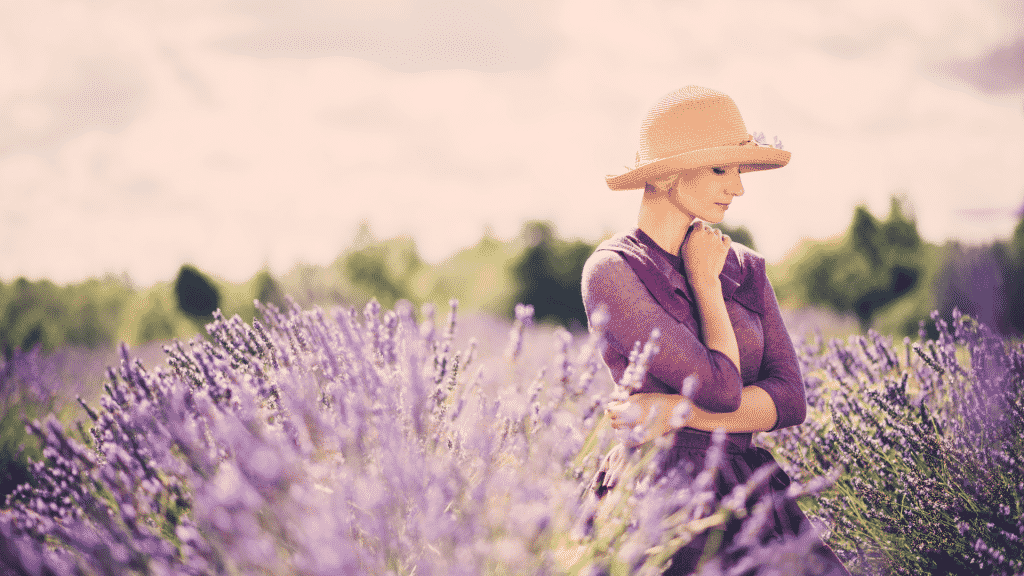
{"x": 758, "y": 139}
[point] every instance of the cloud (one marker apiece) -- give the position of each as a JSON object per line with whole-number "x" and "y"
{"x": 248, "y": 131}
{"x": 999, "y": 70}
{"x": 409, "y": 36}
{"x": 91, "y": 94}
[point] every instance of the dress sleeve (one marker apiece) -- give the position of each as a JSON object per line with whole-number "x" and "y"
{"x": 779, "y": 375}
{"x": 633, "y": 313}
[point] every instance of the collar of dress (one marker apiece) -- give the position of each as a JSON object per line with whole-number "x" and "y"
{"x": 669, "y": 286}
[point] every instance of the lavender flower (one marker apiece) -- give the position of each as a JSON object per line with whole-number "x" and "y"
{"x": 332, "y": 443}
{"x": 524, "y": 317}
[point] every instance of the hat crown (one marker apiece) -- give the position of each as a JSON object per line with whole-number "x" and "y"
{"x": 688, "y": 119}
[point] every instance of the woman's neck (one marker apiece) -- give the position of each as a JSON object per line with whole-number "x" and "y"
{"x": 663, "y": 222}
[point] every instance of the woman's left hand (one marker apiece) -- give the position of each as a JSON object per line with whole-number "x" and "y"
{"x": 638, "y": 410}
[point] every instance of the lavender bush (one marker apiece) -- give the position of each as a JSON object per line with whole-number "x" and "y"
{"x": 930, "y": 436}
{"x": 32, "y": 384}
{"x": 345, "y": 443}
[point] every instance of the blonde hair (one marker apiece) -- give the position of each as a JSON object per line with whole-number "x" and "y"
{"x": 666, "y": 184}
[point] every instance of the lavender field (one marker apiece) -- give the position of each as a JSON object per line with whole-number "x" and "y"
{"x": 386, "y": 442}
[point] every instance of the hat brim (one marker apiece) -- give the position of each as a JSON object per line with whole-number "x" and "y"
{"x": 750, "y": 158}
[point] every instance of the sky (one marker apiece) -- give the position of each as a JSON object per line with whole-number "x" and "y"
{"x": 237, "y": 134}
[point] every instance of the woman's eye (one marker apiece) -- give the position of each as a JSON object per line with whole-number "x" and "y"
{"x": 719, "y": 171}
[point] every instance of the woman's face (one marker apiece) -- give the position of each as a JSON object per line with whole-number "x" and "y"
{"x": 706, "y": 192}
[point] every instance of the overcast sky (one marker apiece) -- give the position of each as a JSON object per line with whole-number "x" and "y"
{"x": 137, "y": 135}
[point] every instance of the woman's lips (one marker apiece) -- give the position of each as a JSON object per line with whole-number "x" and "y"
{"x": 724, "y": 206}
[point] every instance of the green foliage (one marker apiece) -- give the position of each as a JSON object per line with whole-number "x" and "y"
{"x": 44, "y": 314}
{"x": 268, "y": 290}
{"x": 479, "y": 277}
{"x": 880, "y": 271}
{"x": 157, "y": 322}
{"x": 875, "y": 264}
{"x": 97, "y": 313}
{"x": 548, "y": 275}
{"x": 487, "y": 277}
{"x": 1009, "y": 258}
{"x": 388, "y": 270}
{"x": 383, "y": 270}
{"x": 196, "y": 295}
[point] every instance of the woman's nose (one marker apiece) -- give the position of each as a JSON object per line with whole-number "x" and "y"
{"x": 735, "y": 186}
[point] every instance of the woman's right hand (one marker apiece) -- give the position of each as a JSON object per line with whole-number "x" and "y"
{"x": 704, "y": 250}
{"x": 657, "y": 414}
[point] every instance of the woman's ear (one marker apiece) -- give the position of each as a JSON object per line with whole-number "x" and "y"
{"x": 666, "y": 185}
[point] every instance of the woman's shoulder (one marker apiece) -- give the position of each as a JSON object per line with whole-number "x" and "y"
{"x": 747, "y": 277}
{"x": 611, "y": 253}
{"x": 749, "y": 260}
{"x": 604, "y": 264}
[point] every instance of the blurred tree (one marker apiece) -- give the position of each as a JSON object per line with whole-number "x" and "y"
{"x": 548, "y": 275}
{"x": 383, "y": 270}
{"x": 268, "y": 291}
{"x": 479, "y": 277}
{"x": 95, "y": 308}
{"x": 33, "y": 315}
{"x": 877, "y": 263}
{"x": 196, "y": 294}
{"x": 41, "y": 313}
{"x": 1009, "y": 257}
{"x": 864, "y": 235}
{"x": 156, "y": 322}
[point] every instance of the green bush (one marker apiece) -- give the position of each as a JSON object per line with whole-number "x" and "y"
{"x": 43, "y": 314}
{"x": 875, "y": 264}
{"x": 196, "y": 295}
{"x": 548, "y": 274}
{"x": 1009, "y": 257}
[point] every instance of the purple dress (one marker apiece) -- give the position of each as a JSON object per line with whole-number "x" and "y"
{"x": 643, "y": 287}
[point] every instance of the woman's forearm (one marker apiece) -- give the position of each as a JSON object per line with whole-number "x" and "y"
{"x": 756, "y": 414}
{"x": 714, "y": 319}
{"x": 654, "y": 410}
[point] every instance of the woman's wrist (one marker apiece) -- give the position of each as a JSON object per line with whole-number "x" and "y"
{"x": 706, "y": 286}
{"x": 757, "y": 413}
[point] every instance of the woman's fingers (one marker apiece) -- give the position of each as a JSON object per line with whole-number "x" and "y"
{"x": 627, "y": 412}
{"x": 652, "y": 412}
{"x": 624, "y": 414}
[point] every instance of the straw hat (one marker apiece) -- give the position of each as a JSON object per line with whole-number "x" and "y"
{"x": 694, "y": 127}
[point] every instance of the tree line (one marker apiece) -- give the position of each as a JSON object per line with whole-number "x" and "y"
{"x": 879, "y": 270}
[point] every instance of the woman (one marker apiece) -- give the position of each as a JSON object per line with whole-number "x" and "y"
{"x": 710, "y": 299}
